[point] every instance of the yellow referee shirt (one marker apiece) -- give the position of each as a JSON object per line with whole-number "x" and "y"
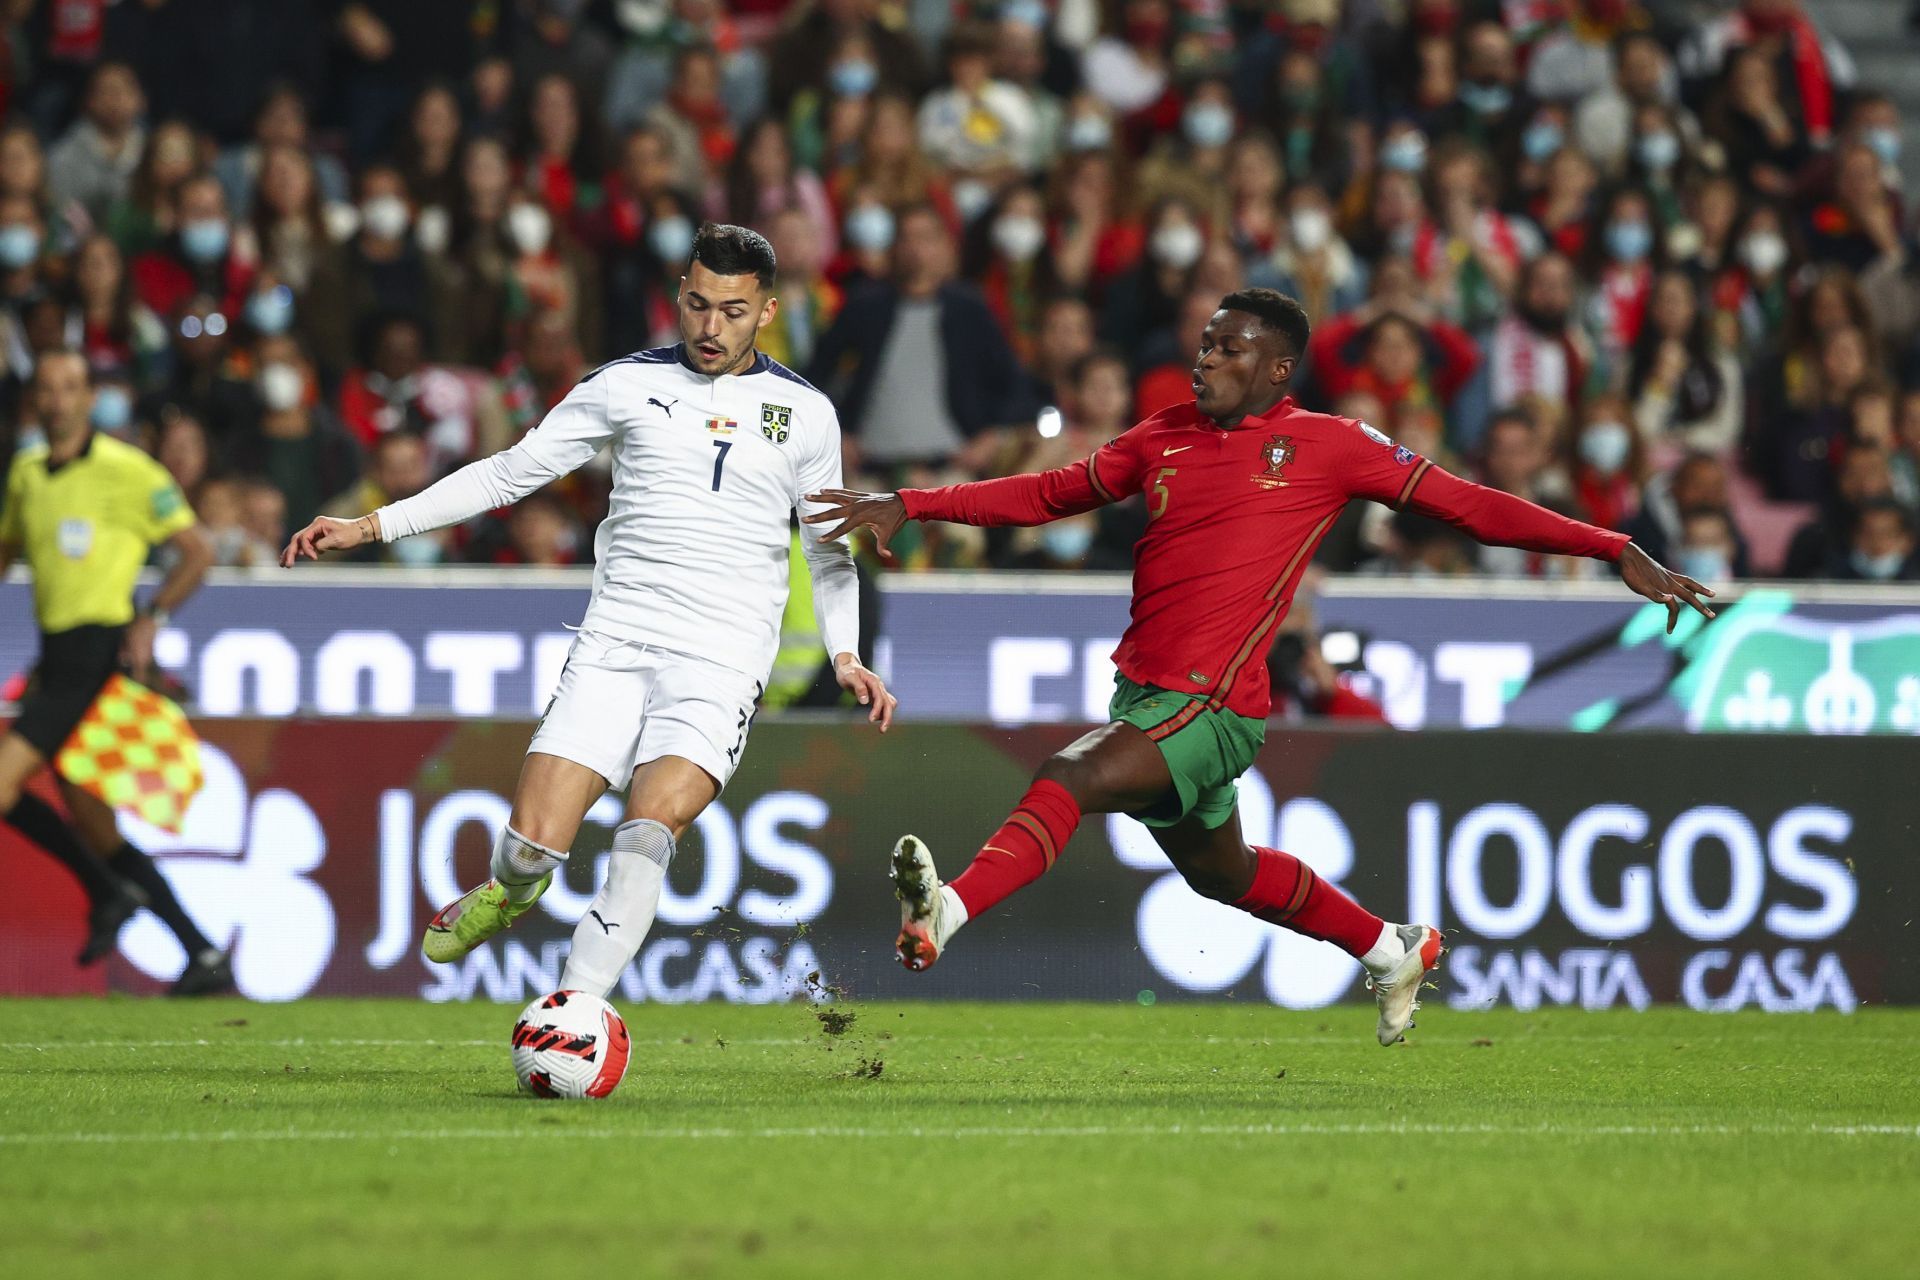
{"x": 85, "y": 528}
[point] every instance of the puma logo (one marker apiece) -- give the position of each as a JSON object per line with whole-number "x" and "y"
{"x": 1170, "y": 452}
{"x": 604, "y": 926}
{"x": 664, "y": 408}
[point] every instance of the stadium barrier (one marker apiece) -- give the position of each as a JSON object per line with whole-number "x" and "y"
{"x": 1722, "y": 872}
{"x": 1031, "y": 649}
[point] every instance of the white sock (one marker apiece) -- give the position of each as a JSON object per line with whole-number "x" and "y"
{"x": 520, "y": 865}
{"x": 952, "y": 917}
{"x": 622, "y": 912}
{"x": 1385, "y": 952}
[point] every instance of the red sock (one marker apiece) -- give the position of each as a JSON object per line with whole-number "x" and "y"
{"x": 1021, "y": 850}
{"x": 1287, "y": 893}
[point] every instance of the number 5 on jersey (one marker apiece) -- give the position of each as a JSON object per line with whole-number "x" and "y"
{"x": 720, "y": 461}
{"x": 1158, "y": 507}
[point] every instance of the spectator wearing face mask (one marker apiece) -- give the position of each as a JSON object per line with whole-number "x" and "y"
{"x": 298, "y": 252}
{"x": 1607, "y": 463}
{"x": 296, "y": 442}
{"x": 1311, "y": 262}
{"x": 1881, "y": 548}
{"x": 1687, "y": 394}
{"x": 1707, "y": 548}
{"x": 384, "y": 267}
{"x": 1143, "y": 303}
{"x": 802, "y": 58}
{"x": 1864, "y": 476}
{"x": 867, "y": 236}
{"x": 205, "y": 255}
{"x": 1754, "y": 287}
{"x": 218, "y": 504}
{"x": 1191, "y": 163}
{"x": 1007, "y": 260}
{"x": 1622, "y": 266}
{"x": 1643, "y": 76}
{"x": 1491, "y": 106}
{"x": 23, "y": 254}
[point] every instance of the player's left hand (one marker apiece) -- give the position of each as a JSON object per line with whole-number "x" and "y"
{"x": 868, "y": 687}
{"x": 136, "y": 650}
{"x": 1661, "y": 585}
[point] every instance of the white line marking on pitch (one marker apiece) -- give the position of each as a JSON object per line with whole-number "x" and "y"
{"x": 986, "y": 1131}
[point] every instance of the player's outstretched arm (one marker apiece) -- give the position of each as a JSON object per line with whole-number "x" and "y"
{"x": 850, "y": 509}
{"x": 1501, "y": 519}
{"x": 1034, "y": 498}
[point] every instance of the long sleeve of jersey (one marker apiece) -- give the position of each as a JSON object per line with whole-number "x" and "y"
{"x": 836, "y": 584}
{"x": 1110, "y": 474}
{"x": 1376, "y": 468}
{"x": 571, "y": 433}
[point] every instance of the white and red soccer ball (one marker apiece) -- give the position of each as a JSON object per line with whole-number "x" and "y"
{"x": 570, "y": 1045}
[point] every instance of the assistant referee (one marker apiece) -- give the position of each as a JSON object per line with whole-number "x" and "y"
{"x": 83, "y": 511}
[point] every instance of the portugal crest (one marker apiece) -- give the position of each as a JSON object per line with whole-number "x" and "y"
{"x": 776, "y": 420}
{"x": 1277, "y": 452}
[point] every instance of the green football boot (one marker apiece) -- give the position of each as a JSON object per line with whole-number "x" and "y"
{"x": 474, "y": 917}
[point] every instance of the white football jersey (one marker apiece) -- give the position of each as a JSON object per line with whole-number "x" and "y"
{"x": 707, "y": 472}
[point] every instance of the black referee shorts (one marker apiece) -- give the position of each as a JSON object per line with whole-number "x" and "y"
{"x": 74, "y": 666}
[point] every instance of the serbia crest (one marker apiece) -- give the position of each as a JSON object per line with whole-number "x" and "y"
{"x": 1277, "y": 452}
{"x": 776, "y": 421}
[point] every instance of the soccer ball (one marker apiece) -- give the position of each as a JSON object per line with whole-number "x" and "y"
{"x": 569, "y": 1045}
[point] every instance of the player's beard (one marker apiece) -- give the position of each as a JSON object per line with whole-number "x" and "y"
{"x": 729, "y": 362}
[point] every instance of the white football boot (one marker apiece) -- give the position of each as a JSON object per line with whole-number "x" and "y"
{"x": 930, "y": 912}
{"x": 1397, "y": 990}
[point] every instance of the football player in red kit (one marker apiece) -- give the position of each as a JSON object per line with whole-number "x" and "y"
{"x": 1241, "y": 485}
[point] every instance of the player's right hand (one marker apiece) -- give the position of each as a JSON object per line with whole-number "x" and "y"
{"x": 327, "y": 534}
{"x": 883, "y": 513}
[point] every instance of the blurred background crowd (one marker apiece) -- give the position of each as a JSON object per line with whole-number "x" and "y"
{"x": 1647, "y": 262}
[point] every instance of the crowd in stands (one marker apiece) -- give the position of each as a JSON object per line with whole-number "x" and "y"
{"x": 1647, "y": 262}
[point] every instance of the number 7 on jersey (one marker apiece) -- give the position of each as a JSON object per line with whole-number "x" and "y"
{"x": 720, "y": 461}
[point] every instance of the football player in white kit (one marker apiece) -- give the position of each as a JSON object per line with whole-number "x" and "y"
{"x": 713, "y": 446}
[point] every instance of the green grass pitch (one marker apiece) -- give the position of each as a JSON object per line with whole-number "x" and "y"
{"x": 343, "y": 1138}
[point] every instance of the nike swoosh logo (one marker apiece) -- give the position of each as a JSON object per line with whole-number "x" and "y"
{"x": 1182, "y": 449}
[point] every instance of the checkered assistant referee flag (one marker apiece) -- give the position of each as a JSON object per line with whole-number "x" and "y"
{"x": 135, "y": 750}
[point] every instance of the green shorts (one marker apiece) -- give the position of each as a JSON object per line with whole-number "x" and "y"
{"x": 1205, "y": 749}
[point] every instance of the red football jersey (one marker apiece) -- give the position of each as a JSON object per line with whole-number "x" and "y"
{"x": 1234, "y": 515}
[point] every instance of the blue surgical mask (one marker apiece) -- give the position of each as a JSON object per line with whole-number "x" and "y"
{"x": 1089, "y": 133}
{"x": 1208, "y": 124}
{"x": 853, "y": 79}
{"x": 271, "y": 312}
{"x": 1541, "y": 139}
{"x": 1028, "y": 13}
{"x": 1885, "y": 143}
{"x": 671, "y": 239}
{"x": 1879, "y": 568}
{"x": 112, "y": 409}
{"x": 19, "y": 245}
{"x": 1067, "y": 541}
{"x": 1486, "y": 99}
{"x": 1705, "y": 564}
{"x": 870, "y": 228}
{"x": 1406, "y": 153}
{"x": 1606, "y": 446}
{"x": 971, "y": 197}
{"x": 1629, "y": 241}
{"x": 1659, "y": 152}
{"x": 205, "y": 239}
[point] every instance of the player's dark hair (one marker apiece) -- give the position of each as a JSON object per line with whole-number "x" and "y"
{"x": 1276, "y": 311}
{"x": 727, "y": 250}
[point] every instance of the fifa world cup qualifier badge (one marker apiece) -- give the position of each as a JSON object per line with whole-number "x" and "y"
{"x": 1277, "y": 452}
{"x": 776, "y": 422}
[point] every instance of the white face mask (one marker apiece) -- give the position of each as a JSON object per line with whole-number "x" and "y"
{"x": 529, "y": 227}
{"x": 1312, "y": 229}
{"x": 1764, "y": 252}
{"x": 281, "y": 386}
{"x": 1177, "y": 245}
{"x": 384, "y": 217}
{"x": 433, "y": 231}
{"x": 971, "y": 197}
{"x": 1018, "y": 236}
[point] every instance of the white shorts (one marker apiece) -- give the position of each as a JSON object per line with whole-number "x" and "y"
{"x": 620, "y": 705}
